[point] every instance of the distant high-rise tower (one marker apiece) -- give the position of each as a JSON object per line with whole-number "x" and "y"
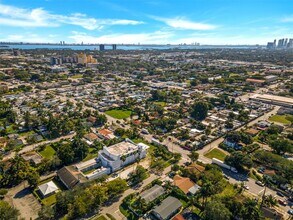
{"x": 275, "y": 43}
{"x": 285, "y": 42}
{"x": 102, "y": 47}
{"x": 114, "y": 47}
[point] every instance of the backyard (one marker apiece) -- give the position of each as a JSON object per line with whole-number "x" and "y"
{"x": 118, "y": 113}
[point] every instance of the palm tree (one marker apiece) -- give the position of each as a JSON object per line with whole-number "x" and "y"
{"x": 269, "y": 201}
{"x": 266, "y": 182}
{"x": 251, "y": 210}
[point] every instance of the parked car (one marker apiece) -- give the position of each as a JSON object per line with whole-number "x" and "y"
{"x": 282, "y": 202}
{"x": 260, "y": 183}
{"x": 226, "y": 177}
{"x": 280, "y": 194}
{"x": 246, "y": 187}
{"x": 290, "y": 211}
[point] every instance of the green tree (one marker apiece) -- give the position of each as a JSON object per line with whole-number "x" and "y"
{"x": 7, "y": 212}
{"x": 251, "y": 210}
{"x": 216, "y": 210}
{"x": 193, "y": 156}
{"x": 239, "y": 160}
{"x": 199, "y": 110}
{"x": 46, "y": 213}
{"x": 281, "y": 146}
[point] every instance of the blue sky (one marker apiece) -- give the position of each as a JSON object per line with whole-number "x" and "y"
{"x": 146, "y": 21}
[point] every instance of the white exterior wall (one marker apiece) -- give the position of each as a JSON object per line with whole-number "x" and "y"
{"x": 116, "y": 163}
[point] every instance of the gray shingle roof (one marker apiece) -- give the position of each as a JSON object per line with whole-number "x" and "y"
{"x": 167, "y": 208}
{"x": 152, "y": 193}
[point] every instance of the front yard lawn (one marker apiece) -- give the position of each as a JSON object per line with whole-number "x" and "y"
{"x": 216, "y": 153}
{"x": 119, "y": 114}
{"x": 48, "y": 152}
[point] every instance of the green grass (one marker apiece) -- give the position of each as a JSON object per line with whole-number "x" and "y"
{"x": 163, "y": 104}
{"x": 50, "y": 200}
{"x": 77, "y": 76}
{"x": 119, "y": 114}
{"x": 92, "y": 154}
{"x": 48, "y": 152}
{"x": 229, "y": 191}
{"x": 216, "y": 153}
{"x": 281, "y": 119}
{"x": 101, "y": 217}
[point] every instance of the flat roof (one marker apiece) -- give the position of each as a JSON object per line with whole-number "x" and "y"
{"x": 273, "y": 98}
{"x": 122, "y": 148}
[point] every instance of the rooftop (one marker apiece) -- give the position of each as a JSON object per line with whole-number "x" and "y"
{"x": 122, "y": 148}
{"x": 273, "y": 98}
{"x": 167, "y": 207}
{"x": 183, "y": 183}
{"x": 152, "y": 193}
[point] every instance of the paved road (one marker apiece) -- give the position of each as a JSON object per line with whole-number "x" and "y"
{"x": 113, "y": 209}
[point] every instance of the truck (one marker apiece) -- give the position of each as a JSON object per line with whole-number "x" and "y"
{"x": 223, "y": 165}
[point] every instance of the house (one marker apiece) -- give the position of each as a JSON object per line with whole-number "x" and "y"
{"x": 270, "y": 213}
{"x": 196, "y": 169}
{"x": 105, "y": 134}
{"x": 178, "y": 217}
{"x": 32, "y": 157}
{"x": 90, "y": 138}
{"x": 232, "y": 144}
{"x": 48, "y": 189}
{"x": 185, "y": 184}
{"x": 168, "y": 208}
{"x": 67, "y": 178}
{"x": 253, "y": 132}
{"x": 122, "y": 154}
{"x": 152, "y": 193}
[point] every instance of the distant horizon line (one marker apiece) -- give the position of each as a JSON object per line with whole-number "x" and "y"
{"x": 121, "y": 44}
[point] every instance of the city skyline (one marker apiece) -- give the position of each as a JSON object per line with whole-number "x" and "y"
{"x": 146, "y": 22}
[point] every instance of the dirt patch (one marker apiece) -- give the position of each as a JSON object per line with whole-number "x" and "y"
{"x": 21, "y": 197}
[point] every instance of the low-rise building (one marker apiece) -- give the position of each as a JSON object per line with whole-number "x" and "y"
{"x": 122, "y": 154}
{"x": 168, "y": 208}
{"x": 152, "y": 193}
{"x": 48, "y": 189}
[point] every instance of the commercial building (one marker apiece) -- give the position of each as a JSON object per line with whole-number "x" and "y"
{"x": 271, "y": 78}
{"x": 122, "y": 154}
{"x": 273, "y": 100}
{"x": 102, "y": 47}
{"x": 168, "y": 208}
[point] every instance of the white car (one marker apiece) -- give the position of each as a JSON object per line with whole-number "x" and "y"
{"x": 246, "y": 187}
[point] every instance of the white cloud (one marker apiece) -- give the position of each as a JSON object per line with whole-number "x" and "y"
{"x": 158, "y": 37}
{"x": 27, "y": 37}
{"x": 184, "y": 24}
{"x": 288, "y": 19}
{"x": 38, "y": 17}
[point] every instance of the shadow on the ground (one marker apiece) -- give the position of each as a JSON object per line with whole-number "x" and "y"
{"x": 22, "y": 193}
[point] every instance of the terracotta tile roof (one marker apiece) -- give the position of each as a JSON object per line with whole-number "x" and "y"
{"x": 183, "y": 183}
{"x": 105, "y": 132}
{"x": 91, "y": 136}
{"x": 178, "y": 217}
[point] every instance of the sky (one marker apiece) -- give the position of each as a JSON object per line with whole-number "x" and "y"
{"x": 210, "y": 22}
